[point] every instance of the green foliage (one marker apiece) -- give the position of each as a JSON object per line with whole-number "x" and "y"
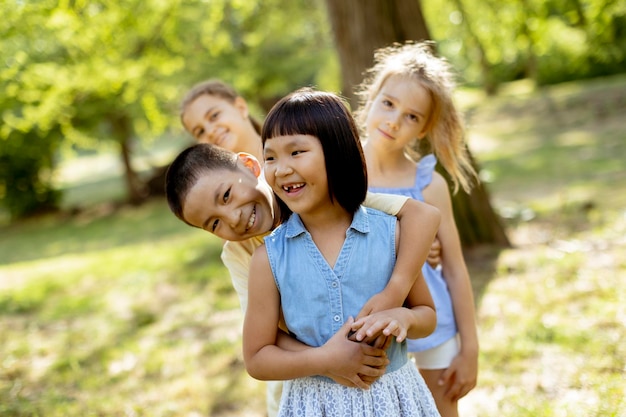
{"x": 83, "y": 73}
{"x": 547, "y": 41}
{"x": 26, "y": 168}
{"x": 239, "y": 42}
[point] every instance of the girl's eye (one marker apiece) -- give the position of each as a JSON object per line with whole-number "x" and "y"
{"x": 387, "y": 103}
{"x": 214, "y": 116}
{"x": 413, "y": 118}
{"x": 226, "y": 196}
{"x": 294, "y": 153}
{"x": 214, "y": 225}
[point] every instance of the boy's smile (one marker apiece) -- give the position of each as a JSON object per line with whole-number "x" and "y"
{"x": 234, "y": 205}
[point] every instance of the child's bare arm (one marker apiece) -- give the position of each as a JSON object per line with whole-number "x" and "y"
{"x": 268, "y": 355}
{"x": 462, "y": 374}
{"x": 418, "y": 226}
{"x": 395, "y": 321}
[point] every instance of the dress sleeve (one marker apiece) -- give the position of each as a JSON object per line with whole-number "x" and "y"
{"x": 388, "y": 203}
{"x": 424, "y": 173}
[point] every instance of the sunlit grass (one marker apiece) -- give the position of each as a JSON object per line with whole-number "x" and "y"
{"x": 129, "y": 312}
{"x": 551, "y": 317}
{"x": 147, "y": 326}
{"x": 552, "y": 323}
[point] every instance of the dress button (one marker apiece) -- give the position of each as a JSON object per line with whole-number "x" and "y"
{"x": 335, "y": 284}
{"x": 337, "y": 318}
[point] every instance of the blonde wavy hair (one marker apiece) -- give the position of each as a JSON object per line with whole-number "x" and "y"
{"x": 445, "y": 128}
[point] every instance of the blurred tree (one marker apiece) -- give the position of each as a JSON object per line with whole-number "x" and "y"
{"x": 476, "y": 220}
{"x": 91, "y": 73}
{"x": 550, "y": 41}
{"x": 487, "y": 80}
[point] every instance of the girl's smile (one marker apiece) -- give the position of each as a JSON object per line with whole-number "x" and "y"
{"x": 215, "y": 120}
{"x": 399, "y": 112}
{"x": 296, "y": 171}
{"x": 291, "y": 189}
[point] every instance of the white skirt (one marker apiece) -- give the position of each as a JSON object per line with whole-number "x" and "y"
{"x": 402, "y": 393}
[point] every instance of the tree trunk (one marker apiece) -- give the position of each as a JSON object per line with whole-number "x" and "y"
{"x": 474, "y": 216}
{"x": 122, "y": 131}
{"x": 530, "y": 68}
{"x": 362, "y": 26}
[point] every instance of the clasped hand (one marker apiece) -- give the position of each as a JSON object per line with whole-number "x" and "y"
{"x": 354, "y": 363}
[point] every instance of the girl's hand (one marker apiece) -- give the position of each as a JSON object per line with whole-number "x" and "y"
{"x": 350, "y": 363}
{"x": 385, "y": 323}
{"x": 460, "y": 377}
{"x": 379, "y": 302}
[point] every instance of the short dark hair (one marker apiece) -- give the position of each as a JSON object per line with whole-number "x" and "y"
{"x": 327, "y": 117}
{"x": 187, "y": 168}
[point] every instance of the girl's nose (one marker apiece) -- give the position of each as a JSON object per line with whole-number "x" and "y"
{"x": 210, "y": 130}
{"x": 283, "y": 169}
{"x": 207, "y": 135}
{"x": 393, "y": 121}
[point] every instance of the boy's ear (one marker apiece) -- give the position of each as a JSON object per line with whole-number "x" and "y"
{"x": 250, "y": 162}
{"x": 241, "y": 104}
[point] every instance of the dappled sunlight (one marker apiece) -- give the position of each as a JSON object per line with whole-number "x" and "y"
{"x": 565, "y": 323}
{"x": 101, "y": 228}
{"x": 551, "y": 315}
{"x": 578, "y": 138}
{"x": 147, "y": 331}
{"x": 88, "y": 169}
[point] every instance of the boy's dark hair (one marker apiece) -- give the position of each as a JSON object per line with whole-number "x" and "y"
{"x": 187, "y": 168}
{"x": 325, "y": 116}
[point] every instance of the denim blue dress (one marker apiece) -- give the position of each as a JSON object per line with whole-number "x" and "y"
{"x": 446, "y": 324}
{"x": 317, "y": 299}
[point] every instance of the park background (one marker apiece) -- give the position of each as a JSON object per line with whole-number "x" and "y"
{"x": 110, "y": 306}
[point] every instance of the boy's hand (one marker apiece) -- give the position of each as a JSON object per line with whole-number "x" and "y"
{"x": 379, "y": 341}
{"x": 353, "y": 364}
{"x": 434, "y": 255}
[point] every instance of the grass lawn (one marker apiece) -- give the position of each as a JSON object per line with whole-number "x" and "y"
{"x": 129, "y": 312}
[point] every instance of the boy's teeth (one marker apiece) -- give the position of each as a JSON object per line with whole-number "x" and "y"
{"x": 251, "y": 219}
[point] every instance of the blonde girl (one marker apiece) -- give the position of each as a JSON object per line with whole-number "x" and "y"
{"x": 407, "y": 106}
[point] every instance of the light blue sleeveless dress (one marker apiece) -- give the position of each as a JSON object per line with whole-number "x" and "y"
{"x": 446, "y": 324}
{"x": 317, "y": 300}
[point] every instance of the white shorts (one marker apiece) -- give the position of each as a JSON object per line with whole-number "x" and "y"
{"x": 439, "y": 357}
